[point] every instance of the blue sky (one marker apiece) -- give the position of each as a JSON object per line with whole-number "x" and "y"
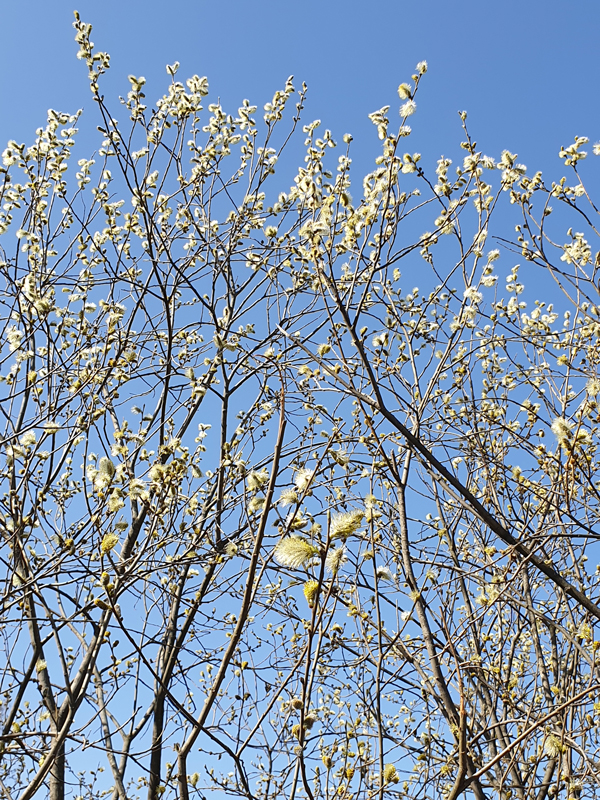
{"x": 525, "y": 70}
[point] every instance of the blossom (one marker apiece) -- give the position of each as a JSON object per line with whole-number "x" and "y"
{"x": 335, "y": 558}
{"x": 584, "y": 632}
{"x": 115, "y": 501}
{"x": 408, "y": 108}
{"x": 157, "y": 473}
{"x": 346, "y": 523}
{"x": 553, "y": 746}
{"x": 384, "y": 574}
{"x": 102, "y": 476}
{"x": 473, "y": 295}
{"x": 257, "y": 479}
{"x": 561, "y": 428}
{"x": 28, "y": 439}
{"x": 489, "y": 280}
{"x": 287, "y": 497}
{"x": 381, "y": 340}
{"x": 109, "y": 542}
{"x": 311, "y": 591}
{"x": 389, "y": 774}
{"x": 106, "y": 467}
{"x": 422, "y": 67}
{"x": 14, "y": 337}
{"x": 309, "y": 720}
{"x": 137, "y": 488}
{"x": 577, "y": 251}
{"x": 303, "y": 479}
{"x": 11, "y": 154}
{"x": 340, "y": 457}
{"x": 294, "y": 552}
{"x": 296, "y": 521}
{"x": 404, "y": 91}
{"x": 256, "y": 504}
{"x": 372, "y": 513}
{"x": 592, "y": 387}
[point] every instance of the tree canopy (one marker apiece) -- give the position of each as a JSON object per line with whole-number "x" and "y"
{"x": 297, "y": 487}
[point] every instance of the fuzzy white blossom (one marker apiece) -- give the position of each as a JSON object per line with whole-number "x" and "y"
{"x": 473, "y": 295}
{"x": 157, "y": 473}
{"x": 106, "y": 467}
{"x": 381, "y": 340}
{"x": 115, "y": 502}
{"x": 28, "y": 439}
{"x": 257, "y": 479}
{"x": 346, "y": 523}
{"x": 340, "y": 456}
{"x": 294, "y": 552}
{"x": 14, "y": 337}
{"x": 561, "y": 428}
{"x": 553, "y": 746}
{"x": 408, "y": 108}
{"x": 287, "y": 498}
{"x": 335, "y": 558}
{"x": 489, "y": 280}
{"x": 11, "y": 154}
{"x": 295, "y": 521}
{"x": 578, "y": 251}
{"x": 303, "y": 479}
{"x": 256, "y": 504}
{"x": 592, "y": 387}
{"x": 384, "y": 574}
{"x": 103, "y": 476}
{"x": 137, "y": 489}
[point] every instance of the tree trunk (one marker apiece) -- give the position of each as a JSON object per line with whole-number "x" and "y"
{"x": 57, "y": 776}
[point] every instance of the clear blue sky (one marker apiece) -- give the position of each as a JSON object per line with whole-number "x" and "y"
{"x": 527, "y": 71}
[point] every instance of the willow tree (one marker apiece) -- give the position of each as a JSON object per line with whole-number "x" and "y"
{"x": 275, "y": 521}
